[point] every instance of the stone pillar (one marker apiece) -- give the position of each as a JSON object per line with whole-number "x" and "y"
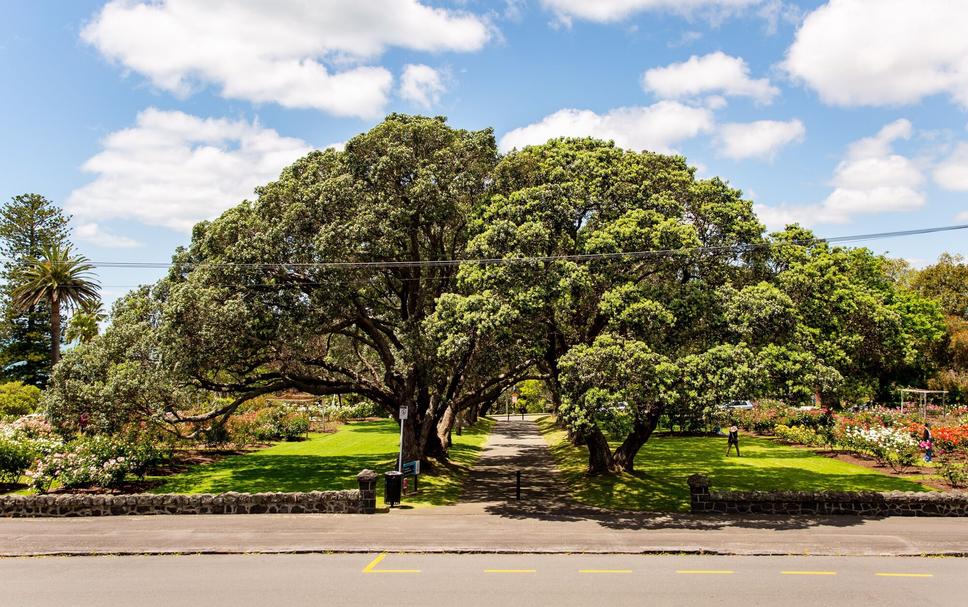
{"x": 699, "y": 492}
{"x": 367, "y": 480}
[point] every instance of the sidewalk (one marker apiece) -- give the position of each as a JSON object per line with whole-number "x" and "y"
{"x": 490, "y": 520}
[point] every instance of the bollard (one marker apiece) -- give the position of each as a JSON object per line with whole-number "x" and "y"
{"x": 517, "y": 484}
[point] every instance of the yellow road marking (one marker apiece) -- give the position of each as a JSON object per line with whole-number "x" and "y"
{"x": 604, "y": 571}
{"x": 721, "y": 571}
{"x": 905, "y": 574}
{"x": 510, "y": 570}
{"x": 371, "y": 568}
{"x": 808, "y": 572}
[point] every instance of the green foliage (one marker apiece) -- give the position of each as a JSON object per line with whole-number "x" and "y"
{"x": 18, "y": 399}
{"x": 84, "y": 324}
{"x": 947, "y": 282}
{"x": 953, "y": 468}
{"x": 122, "y": 376}
{"x": 15, "y": 457}
{"x": 28, "y": 223}
{"x": 533, "y": 396}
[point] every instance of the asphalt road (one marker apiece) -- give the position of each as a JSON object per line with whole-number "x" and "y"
{"x": 481, "y": 579}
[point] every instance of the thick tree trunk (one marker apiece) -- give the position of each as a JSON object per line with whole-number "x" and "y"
{"x": 624, "y": 457}
{"x": 447, "y": 421}
{"x": 599, "y": 453}
{"x": 472, "y": 414}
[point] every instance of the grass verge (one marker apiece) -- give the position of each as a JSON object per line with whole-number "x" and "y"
{"x": 665, "y": 462}
{"x": 326, "y": 462}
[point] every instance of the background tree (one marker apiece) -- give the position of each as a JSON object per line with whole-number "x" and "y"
{"x": 585, "y": 202}
{"x": 28, "y": 223}
{"x": 947, "y": 282}
{"x": 85, "y": 322}
{"x": 60, "y": 279}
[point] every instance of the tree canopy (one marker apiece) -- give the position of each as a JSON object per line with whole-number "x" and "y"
{"x": 418, "y": 268}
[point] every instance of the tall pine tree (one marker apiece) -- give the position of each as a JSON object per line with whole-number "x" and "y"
{"x": 28, "y": 223}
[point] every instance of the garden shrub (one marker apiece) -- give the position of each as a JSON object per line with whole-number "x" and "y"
{"x": 348, "y": 411}
{"x": 802, "y": 435}
{"x": 891, "y": 446}
{"x": 266, "y": 425}
{"x": 15, "y": 457}
{"x": 100, "y": 461}
{"x": 18, "y": 399}
{"x": 953, "y": 468}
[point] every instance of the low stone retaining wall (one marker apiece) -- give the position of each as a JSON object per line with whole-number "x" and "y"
{"x": 356, "y": 501}
{"x": 894, "y": 503}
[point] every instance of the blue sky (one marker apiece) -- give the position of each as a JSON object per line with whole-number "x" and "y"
{"x": 144, "y": 117}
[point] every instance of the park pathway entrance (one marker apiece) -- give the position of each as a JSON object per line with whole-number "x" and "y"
{"x": 515, "y": 446}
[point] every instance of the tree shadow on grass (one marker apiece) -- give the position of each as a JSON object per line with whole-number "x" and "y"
{"x": 259, "y": 473}
{"x": 656, "y": 496}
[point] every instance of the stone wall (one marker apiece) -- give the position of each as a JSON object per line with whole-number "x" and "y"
{"x": 356, "y": 501}
{"x": 894, "y": 503}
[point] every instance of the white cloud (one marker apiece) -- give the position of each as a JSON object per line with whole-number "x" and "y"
{"x": 713, "y": 73}
{"x": 657, "y": 127}
{"x": 760, "y": 139}
{"x": 605, "y": 11}
{"x": 422, "y": 85}
{"x": 173, "y": 169}
{"x": 870, "y": 179}
{"x": 883, "y": 52}
{"x": 952, "y": 172}
{"x": 291, "y": 52}
{"x": 96, "y": 235}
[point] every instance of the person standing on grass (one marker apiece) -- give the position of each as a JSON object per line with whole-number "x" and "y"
{"x": 928, "y": 443}
{"x": 733, "y": 440}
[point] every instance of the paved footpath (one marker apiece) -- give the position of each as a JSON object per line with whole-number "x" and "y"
{"x": 490, "y": 520}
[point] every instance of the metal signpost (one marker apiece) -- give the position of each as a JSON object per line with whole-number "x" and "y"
{"x": 514, "y": 401}
{"x": 403, "y": 417}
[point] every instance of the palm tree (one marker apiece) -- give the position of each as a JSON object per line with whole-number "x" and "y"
{"x": 84, "y": 323}
{"x": 59, "y": 278}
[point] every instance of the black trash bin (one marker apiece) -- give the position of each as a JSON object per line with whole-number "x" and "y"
{"x": 392, "y": 487}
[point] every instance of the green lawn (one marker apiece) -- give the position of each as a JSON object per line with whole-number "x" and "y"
{"x": 331, "y": 462}
{"x": 665, "y": 462}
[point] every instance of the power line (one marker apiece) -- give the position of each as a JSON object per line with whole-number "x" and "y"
{"x": 581, "y": 257}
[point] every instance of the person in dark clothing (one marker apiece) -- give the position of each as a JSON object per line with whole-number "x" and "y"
{"x": 732, "y": 440}
{"x": 928, "y": 442}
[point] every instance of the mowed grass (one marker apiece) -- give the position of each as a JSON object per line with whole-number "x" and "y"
{"x": 327, "y": 462}
{"x": 665, "y": 462}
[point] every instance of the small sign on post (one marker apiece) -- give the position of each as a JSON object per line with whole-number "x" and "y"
{"x": 404, "y": 412}
{"x": 412, "y": 467}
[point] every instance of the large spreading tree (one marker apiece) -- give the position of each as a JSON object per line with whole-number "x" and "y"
{"x": 418, "y": 268}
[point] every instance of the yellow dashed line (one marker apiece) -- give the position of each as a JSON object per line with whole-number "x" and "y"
{"x": 371, "y": 568}
{"x": 510, "y": 571}
{"x": 905, "y": 574}
{"x": 713, "y": 571}
{"x": 808, "y": 572}
{"x": 604, "y": 571}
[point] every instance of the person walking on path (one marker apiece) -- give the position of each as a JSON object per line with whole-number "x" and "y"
{"x": 733, "y": 440}
{"x": 927, "y": 443}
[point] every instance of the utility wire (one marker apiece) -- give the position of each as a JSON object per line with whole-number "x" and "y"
{"x": 431, "y": 263}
